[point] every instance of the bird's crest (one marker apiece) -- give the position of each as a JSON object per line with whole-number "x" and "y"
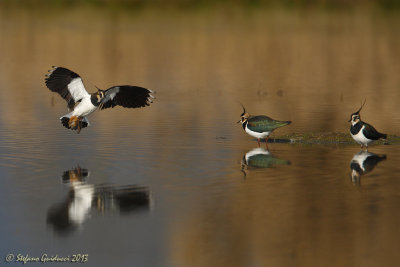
{"x": 362, "y": 105}
{"x": 356, "y": 115}
{"x": 244, "y": 110}
{"x": 244, "y": 116}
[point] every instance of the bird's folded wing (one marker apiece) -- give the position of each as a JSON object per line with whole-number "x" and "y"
{"x": 370, "y": 132}
{"x": 263, "y": 124}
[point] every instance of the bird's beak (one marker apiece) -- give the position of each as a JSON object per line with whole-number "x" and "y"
{"x": 350, "y": 120}
{"x": 239, "y": 121}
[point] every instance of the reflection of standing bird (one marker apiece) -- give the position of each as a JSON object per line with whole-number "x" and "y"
{"x": 260, "y": 126}
{"x": 70, "y": 86}
{"x": 362, "y": 132}
{"x": 262, "y": 158}
{"x": 364, "y": 162}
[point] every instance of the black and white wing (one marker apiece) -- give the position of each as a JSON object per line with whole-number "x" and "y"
{"x": 67, "y": 84}
{"x": 127, "y": 96}
{"x": 371, "y": 133}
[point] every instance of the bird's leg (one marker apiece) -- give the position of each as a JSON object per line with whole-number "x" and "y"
{"x": 266, "y": 142}
{"x": 79, "y": 125}
{"x": 258, "y": 140}
{"x": 72, "y": 123}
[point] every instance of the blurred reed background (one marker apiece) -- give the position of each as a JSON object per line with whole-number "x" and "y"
{"x": 386, "y": 4}
{"x": 293, "y": 60}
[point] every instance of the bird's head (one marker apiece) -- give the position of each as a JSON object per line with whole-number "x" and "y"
{"x": 355, "y": 117}
{"x": 76, "y": 175}
{"x": 100, "y": 94}
{"x": 244, "y": 116}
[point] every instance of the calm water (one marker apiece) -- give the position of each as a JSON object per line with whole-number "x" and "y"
{"x": 179, "y": 183}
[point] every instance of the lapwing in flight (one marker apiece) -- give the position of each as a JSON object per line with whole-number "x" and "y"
{"x": 81, "y": 104}
{"x": 362, "y": 132}
{"x": 260, "y": 126}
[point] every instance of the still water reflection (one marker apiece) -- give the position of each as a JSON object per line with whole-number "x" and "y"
{"x": 362, "y": 163}
{"x": 84, "y": 197}
{"x": 260, "y": 158}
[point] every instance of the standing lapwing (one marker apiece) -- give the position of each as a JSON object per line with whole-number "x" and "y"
{"x": 81, "y": 104}
{"x": 362, "y": 132}
{"x": 260, "y": 126}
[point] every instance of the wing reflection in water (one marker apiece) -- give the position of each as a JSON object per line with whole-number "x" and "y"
{"x": 104, "y": 198}
{"x": 261, "y": 158}
{"x": 362, "y": 163}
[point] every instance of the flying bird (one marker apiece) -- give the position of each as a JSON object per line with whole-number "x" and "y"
{"x": 362, "y": 132}
{"x": 260, "y": 126}
{"x": 81, "y": 104}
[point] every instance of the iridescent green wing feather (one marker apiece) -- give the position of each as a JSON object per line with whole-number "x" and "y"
{"x": 264, "y": 124}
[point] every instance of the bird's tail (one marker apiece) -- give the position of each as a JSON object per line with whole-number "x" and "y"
{"x": 384, "y": 136}
{"x": 73, "y": 122}
{"x": 282, "y": 123}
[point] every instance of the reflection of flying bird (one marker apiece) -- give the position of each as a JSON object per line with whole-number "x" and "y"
{"x": 362, "y": 132}
{"x": 261, "y": 158}
{"x": 260, "y": 126}
{"x": 364, "y": 162}
{"x": 81, "y": 104}
{"x": 83, "y": 198}
{"x": 75, "y": 175}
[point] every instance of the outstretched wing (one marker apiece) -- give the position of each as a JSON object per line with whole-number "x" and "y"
{"x": 264, "y": 124}
{"x": 67, "y": 84}
{"x": 127, "y": 96}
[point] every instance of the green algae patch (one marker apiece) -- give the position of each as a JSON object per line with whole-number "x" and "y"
{"x": 327, "y": 138}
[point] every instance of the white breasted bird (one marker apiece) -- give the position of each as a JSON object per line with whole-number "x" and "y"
{"x": 69, "y": 86}
{"x": 362, "y": 132}
{"x": 260, "y": 126}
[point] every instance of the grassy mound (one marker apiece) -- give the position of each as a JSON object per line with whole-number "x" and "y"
{"x": 327, "y": 138}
